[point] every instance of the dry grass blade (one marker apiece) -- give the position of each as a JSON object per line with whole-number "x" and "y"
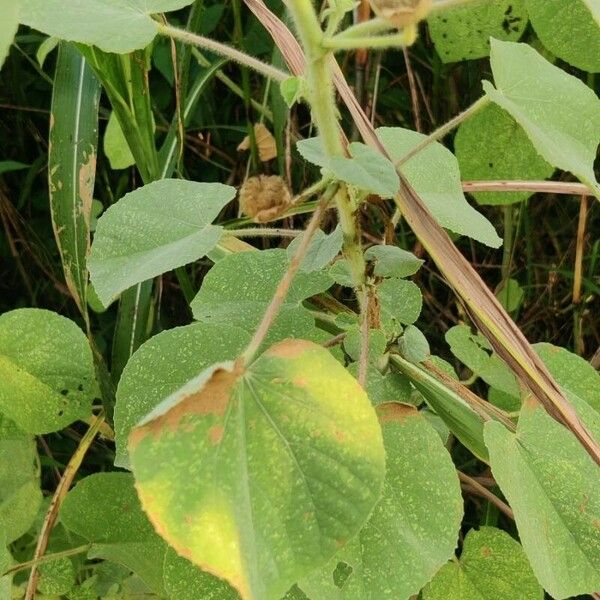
{"x": 485, "y": 310}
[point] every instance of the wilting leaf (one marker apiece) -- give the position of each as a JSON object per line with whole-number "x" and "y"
{"x": 158, "y": 227}
{"x": 413, "y": 529}
{"x": 72, "y": 165}
{"x": 492, "y": 566}
{"x": 104, "y": 509}
{"x": 552, "y": 485}
{"x": 165, "y": 363}
{"x": 20, "y": 494}
{"x": 570, "y": 29}
{"x": 559, "y": 113}
{"x": 435, "y": 176}
{"x": 261, "y": 475}
{"x": 115, "y": 26}
{"x": 463, "y": 33}
{"x": 46, "y": 370}
{"x": 491, "y": 145}
{"x": 238, "y": 289}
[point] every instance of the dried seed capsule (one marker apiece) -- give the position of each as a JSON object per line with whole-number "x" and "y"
{"x": 401, "y": 12}
{"x": 264, "y": 197}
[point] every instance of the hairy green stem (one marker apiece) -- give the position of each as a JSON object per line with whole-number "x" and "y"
{"x": 395, "y": 40}
{"x": 366, "y": 28}
{"x": 442, "y": 5}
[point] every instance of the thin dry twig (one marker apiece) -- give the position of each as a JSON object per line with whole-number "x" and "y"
{"x": 475, "y": 487}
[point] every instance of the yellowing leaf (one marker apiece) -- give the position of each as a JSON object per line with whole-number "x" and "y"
{"x": 259, "y": 476}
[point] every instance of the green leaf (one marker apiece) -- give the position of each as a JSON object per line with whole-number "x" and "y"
{"x": 47, "y": 378}
{"x": 476, "y": 353}
{"x": 492, "y": 566}
{"x": 413, "y": 345}
{"x": 56, "y": 577}
{"x": 552, "y": 486}
{"x": 115, "y": 145}
{"x": 164, "y": 364}
{"x": 260, "y": 476}
{"x": 435, "y": 176}
{"x": 413, "y": 529}
{"x": 119, "y": 26}
{"x": 8, "y": 166}
{"x": 104, "y": 509}
{"x": 323, "y": 248}
{"x": 238, "y": 289}
{"x": 5, "y": 563}
{"x": 463, "y": 33}
{"x": 400, "y": 303}
{"x": 570, "y": 29}
{"x": 391, "y": 261}
{"x": 185, "y": 581}
{"x": 292, "y": 90}
{"x": 158, "y": 227}
{"x": 8, "y": 26}
{"x": 559, "y": 113}
{"x": 20, "y": 494}
{"x": 511, "y": 295}
{"x": 72, "y": 165}
{"x": 367, "y": 170}
{"x": 491, "y": 145}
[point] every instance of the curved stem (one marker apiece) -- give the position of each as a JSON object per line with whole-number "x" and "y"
{"x": 223, "y": 50}
{"x": 371, "y": 27}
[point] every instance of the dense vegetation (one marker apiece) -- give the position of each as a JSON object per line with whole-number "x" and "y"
{"x": 264, "y": 318}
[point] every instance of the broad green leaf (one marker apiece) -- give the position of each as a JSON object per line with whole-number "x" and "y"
{"x": 164, "y": 364}
{"x": 185, "y": 581}
{"x": 435, "y": 175}
{"x": 511, "y": 295}
{"x": 392, "y": 261}
{"x": 119, "y": 26}
{"x": 559, "y": 113}
{"x": 462, "y": 420}
{"x": 570, "y": 29}
{"x": 413, "y": 345}
{"x": 5, "y": 563}
{"x": 56, "y": 577}
{"x": 492, "y": 566}
{"x": 367, "y": 169}
{"x": 463, "y": 33}
{"x": 400, "y": 303}
{"x": 158, "y": 227}
{"x": 259, "y": 476}
{"x": 553, "y": 487}
{"x": 8, "y": 26}
{"x": 491, "y": 145}
{"x": 115, "y": 145}
{"x": 473, "y": 350}
{"x": 414, "y": 528}
{"x": 104, "y": 509}
{"x": 20, "y": 493}
{"x": 72, "y": 165}
{"x": 323, "y": 248}
{"x": 47, "y": 378}
{"x": 238, "y": 289}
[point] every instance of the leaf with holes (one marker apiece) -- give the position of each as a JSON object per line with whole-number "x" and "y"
{"x": 414, "y": 528}
{"x": 491, "y": 145}
{"x": 435, "y": 175}
{"x": 260, "y": 475}
{"x": 570, "y": 29}
{"x": 463, "y": 32}
{"x": 553, "y": 487}
{"x": 119, "y": 26}
{"x": 47, "y": 377}
{"x": 559, "y": 113}
{"x": 158, "y": 227}
{"x": 492, "y": 566}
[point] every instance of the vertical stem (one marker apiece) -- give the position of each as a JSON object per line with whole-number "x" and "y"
{"x": 577, "y": 277}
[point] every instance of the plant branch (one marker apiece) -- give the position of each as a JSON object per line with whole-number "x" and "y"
{"x": 443, "y": 5}
{"x": 264, "y": 232}
{"x": 395, "y": 40}
{"x": 480, "y": 490}
{"x": 545, "y": 187}
{"x": 223, "y": 50}
{"x": 45, "y": 559}
{"x": 366, "y": 28}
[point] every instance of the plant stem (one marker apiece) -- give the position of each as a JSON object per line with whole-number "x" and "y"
{"x": 373, "y": 26}
{"x": 264, "y": 232}
{"x": 45, "y": 559}
{"x": 443, "y": 5}
{"x": 482, "y": 491}
{"x": 286, "y": 281}
{"x": 544, "y": 187}
{"x": 394, "y": 40}
{"x": 222, "y": 50}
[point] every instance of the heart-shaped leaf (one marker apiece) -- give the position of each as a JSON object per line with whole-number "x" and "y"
{"x": 261, "y": 475}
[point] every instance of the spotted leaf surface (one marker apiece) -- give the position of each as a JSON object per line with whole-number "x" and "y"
{"x": 553, "y": 487}
{"x": 492, "y": 566}
{"x": 260, "y": 476}
{"x": 47, "y": 378}
{"x": 413, "y": 529}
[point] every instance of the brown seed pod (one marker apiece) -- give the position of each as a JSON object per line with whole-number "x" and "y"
{"x": 401, "y": 12}
{"x": 264, "y": 197}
